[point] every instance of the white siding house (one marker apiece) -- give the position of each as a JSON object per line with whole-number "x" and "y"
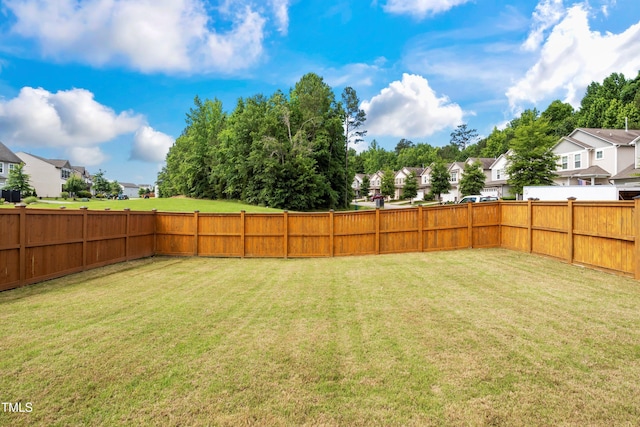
{"x": 46, "y": 176}
{"x": 8, "y": 160}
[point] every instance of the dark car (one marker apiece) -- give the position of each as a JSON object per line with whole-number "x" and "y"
{"x": 123, "y": 197}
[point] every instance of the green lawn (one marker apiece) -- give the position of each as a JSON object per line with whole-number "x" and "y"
{"x": 460, "y": 338}
{"x": 177, "y": 204}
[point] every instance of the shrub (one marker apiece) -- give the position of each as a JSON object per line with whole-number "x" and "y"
{"x": 30, "y": 199}
{"x": 429, "y": 197}
{"x": 84, "y": 194}
{"x": 64, "y": 195}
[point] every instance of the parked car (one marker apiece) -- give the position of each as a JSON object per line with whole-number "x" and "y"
{"x": 478, "y": 198}
{"x": 376, "y": 197}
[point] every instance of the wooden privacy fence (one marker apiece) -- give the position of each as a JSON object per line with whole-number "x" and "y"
{"x": 41, "y": 244}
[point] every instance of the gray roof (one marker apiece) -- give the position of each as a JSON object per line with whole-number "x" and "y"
{"x": 613, "y": 136}
{"x": 7, "y": 155}
{"x": 485, "y": 161}
{"x": 128, "y": 184}
{"x": 631, "y": 172}
{"x": 592, "y": 171}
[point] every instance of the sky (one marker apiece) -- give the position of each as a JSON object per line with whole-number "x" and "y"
{"x": 107, "y": 84}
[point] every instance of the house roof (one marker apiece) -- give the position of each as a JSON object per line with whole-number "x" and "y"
{"x": 128, "y": 184}
{"x": 485, "y": 161}
{"x": 7, "y": 155}
{"x": 612, "y": 136}
{"x": 59, "y": 163}
{"x": 576, "y": 142}
{"x": 590, "y": 172}
{"x": 631, "y": 172}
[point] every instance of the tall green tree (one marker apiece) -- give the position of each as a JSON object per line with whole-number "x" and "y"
{"x": 114, "y": 188}
{"x": 472, "y": 180}
{"x": 440, "y": 179}
{"x": 100, "y": 184}
{"x": 353, "y": 121}
{"x": 410, "y": 189}
{"x": 532, "y": 161}
{"x": 19, "y": 180}
{"x": 388, "y": 184}
{"x": 74, "y": 184}
{"x": 366, "y": 185}
{"x": 462, "y": 136}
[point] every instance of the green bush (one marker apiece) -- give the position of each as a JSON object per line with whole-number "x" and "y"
{"x": 429, "y": 197}
{"x": 30, "y": 199}
{"x": 64, "y": 195}
{"x": 84, "y": 194}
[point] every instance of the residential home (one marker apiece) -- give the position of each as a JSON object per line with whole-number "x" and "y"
{"x": 129, "y": 189}
{"x": 497, "y": 185}
{"x": 46, "y": 176}
{"x": 8, "y": 160}
{"x": 455, "y": 174}
{"x": 375, "y": 182}
{"x": 357, "y": 184}
{"x": 594, "y": 156}
{"x": 401, "y": 177}
{"x": 83, "y": 173}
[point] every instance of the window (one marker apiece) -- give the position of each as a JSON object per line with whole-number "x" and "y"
{"x": 12, "y": 166}
{"x": 65, "y": 173}
{"x": 599, "y": 154}
{"x": 576, "y": 161}
{"x": 499, "y": 173}
{"x": 565, "y": 162}
{"x": 453, "y": 177}
{"x": 1, "y": 167}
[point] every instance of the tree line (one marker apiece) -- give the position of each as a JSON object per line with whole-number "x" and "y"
{"x": 292, "y": 150}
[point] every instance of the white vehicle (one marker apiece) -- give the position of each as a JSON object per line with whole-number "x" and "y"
{"x": 477, "y": 198}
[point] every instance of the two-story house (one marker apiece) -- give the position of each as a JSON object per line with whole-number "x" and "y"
{"x": 594, "y": 156}
{"x": 47, "y": 176}
{"x": 375, "y": 182}
{"x": 8, "y": 160}
{"x": 401, "y": 177}
{"x": 356, "y": 185}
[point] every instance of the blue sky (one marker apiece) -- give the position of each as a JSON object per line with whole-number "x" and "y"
{"x": 107, "y": 83}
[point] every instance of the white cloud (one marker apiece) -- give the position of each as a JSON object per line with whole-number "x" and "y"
{"x": 547, "y": 14}
{"x": 420, "y": 8}
{"x": 172, "y": 36}
{"x": 150, "y": 145}
{"x": 39, "y": 118}
{"x": 86, "y": 156}
{"x": 410, "y": 109}
{"x": 573, "y": 56}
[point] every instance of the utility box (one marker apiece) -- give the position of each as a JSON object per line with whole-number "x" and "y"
{"x": 11, "y": 196}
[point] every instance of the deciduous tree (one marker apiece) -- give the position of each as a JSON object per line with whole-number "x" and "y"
{"x": 472, "y": 180}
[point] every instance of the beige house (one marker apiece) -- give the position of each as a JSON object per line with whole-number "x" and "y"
{"x": 47, "y": 176}
{"x": 401, "y": 177}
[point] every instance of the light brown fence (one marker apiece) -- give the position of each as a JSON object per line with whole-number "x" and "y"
{"x": 36, "y": 245}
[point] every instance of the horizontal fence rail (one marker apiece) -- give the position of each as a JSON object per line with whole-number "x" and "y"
{"x": 39, "y": 244}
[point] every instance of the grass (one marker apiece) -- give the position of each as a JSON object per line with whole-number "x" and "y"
{"x": 471, "y": 337}
{"x": 178, "y": 204}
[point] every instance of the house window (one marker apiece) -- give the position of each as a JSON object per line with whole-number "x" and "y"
{"x": 1, "y": 167}
{"x": 599, "y": 154}
{"x": 453, "y": 177}
{"x": 565, "y": 162}
{"x": 499, "y": 174}
{"x": 576, "y": 161}
{"x": 11, "y": 166}
{"x": 65, "y": 173}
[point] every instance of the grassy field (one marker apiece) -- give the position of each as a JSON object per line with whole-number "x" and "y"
{"x": 461, "y": 338}
{"x": 164, "y": 205}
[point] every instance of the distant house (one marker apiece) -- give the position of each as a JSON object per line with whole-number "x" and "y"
{"x": 8, "y": 160}
{"x": 82, "y": 172}
{"x": 375, "y": 182}
{"x": 595, "y": 156}
{"x": 130, "y": 190}
{"x": 357, "y": 184}
{"x": 401, "y": 177}
{"x": 47, "y": 176}
{"x": 498, "y": 185}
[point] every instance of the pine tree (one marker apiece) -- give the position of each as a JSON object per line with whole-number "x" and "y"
{"x": 472, "y": 181}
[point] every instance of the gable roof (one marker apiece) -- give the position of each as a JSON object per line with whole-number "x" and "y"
{"x": 612, "y": 136}
{"x": 592, "y": 171}
{"x": 7, "y": 155}
{"x": 486, "y": 162}
{"x": 628, "y": 173}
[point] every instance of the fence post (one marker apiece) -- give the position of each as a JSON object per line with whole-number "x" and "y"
{"x": 377, "y": 231}
{"x": 23, "y": 243}
{"x": 286, "y": 233}
{"x": 636, "y": 220}
{"x": 420, "y": 229}
{"x": 570, "y": 201}
{"x": 196, "y": 214}
{"x": 128, "y": 233}
{"x": 242, "y": 232}
{"x": 85, "y": 227}
{"x": 470, "y": 223}
{"x": 331, "y": 233}
{"x": 530, "y": 226}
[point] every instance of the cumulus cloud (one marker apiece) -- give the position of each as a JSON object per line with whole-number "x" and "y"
{"x": 172, "y": 36}
{"x": 86, "y": 156}
{"x": 410, "y": 109}
{"x": 39, "y": 118}
{"x": 573, "y": 56}
{"x": 420, "y": 8}
{"x": 150, "y": 145}
{"x": 547, "y": 14}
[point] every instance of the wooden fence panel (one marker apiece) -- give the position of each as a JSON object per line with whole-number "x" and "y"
{"x": 514, "y": 226}
{"x": 309, "y": 235}
{"x": 486, "y": 225}
{"x": 265, "y": 235}
{"x": 9, "y": 249}
{"x": 399, "y": 231}
{"x": 550, "y": 229}
{"x": 175, "y": 234}
{"x": 446, "y": 227}
{"x": 355, "y": 233}
{"x": 220, "y": 235}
